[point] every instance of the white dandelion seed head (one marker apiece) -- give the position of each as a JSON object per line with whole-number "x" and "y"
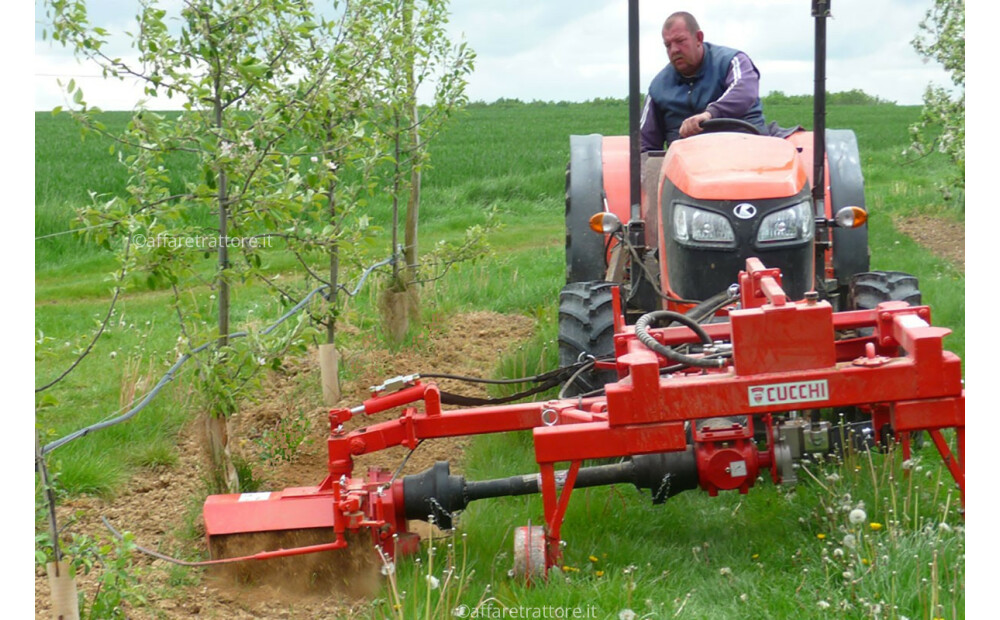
{"x": 850, "y": 541}
{"x": 857, "y": 516}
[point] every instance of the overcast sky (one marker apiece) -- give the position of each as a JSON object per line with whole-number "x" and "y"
{"x": 577, "y": 50}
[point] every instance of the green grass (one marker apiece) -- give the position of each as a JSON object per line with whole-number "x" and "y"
{"x": 774, "y": 553}
{"x": 656, "y": 560}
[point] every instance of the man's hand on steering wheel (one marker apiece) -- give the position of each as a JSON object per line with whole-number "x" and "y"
{"x": 692, "y": 125}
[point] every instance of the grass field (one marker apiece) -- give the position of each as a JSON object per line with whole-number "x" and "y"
{"x": 775, "y": 553}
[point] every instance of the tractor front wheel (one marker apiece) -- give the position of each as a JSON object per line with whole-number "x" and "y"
{"x": 586, "y": 330}
{"x": 867, "y": 291}
{"x": 871, "y": 288}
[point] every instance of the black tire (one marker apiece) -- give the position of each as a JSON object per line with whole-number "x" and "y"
{"x": 871, "y": 288}
{"x": 586, "y": 328}
{"x": 851, "y": 254}
{"x": 867, "y": 291}
{"x": 584, "y": 198}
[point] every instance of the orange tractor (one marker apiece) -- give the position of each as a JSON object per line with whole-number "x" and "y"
{"x": 725, "y": 298}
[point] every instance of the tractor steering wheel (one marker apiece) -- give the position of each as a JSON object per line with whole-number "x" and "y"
{"x": 729, "y": 124}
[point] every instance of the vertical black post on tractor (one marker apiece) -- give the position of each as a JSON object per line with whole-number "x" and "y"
{"x": 820, "y": 11}
{"x": 635, "y": 226}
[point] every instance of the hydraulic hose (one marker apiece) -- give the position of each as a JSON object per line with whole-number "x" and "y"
{"x": 708, "y": 308}
{"x": 642, "y": 333}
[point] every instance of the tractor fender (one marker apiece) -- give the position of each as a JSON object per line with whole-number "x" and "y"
{"x": 615, "y": 161}
{"x": 847, "y": 188}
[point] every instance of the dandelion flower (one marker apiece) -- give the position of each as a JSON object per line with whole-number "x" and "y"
{"x": 875, "y": 526}
{"x": 821, "y": 536}
{"x": 857, "y": 516}
{"x": 592, "y": 558}
{"x": 599, "y": 573}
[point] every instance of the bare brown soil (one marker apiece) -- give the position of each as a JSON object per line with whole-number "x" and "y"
{"x": 162, "y": 506}
{"x": 945, "y": 238}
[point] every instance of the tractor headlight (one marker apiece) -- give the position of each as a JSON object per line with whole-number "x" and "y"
{"x": 698, "y": 226}
{"x": 791, "y": 224}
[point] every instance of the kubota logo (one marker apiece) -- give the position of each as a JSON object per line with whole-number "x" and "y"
{"x": 786, "y": 393}
{"x": 744, "y": 210}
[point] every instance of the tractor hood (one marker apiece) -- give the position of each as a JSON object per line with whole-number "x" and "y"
{"x": 729, "y": 166}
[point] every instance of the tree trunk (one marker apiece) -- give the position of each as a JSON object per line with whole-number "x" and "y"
{"x": 413, "y": 206}
{"x": 217, "y": 435}
{"x": 329, "y": 357}
{"x": 217, "y": 425}
{"x": 410, "y": 251}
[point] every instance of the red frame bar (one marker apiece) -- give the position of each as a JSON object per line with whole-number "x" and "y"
{"x": 786, "y": 356}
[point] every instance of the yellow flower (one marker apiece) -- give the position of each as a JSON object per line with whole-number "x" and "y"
{"x": 755, "y": 556}
{"x": 599, "y": 573}
{"x": 592, "y": 558}
{"x": 570, "y": 569}
{"x": 875, "y": 526}
{"x": 865, "y": 561}
{"x": 821, "y": 536}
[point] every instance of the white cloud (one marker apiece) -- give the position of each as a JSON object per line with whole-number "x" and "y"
{"x": 578, "y": 50}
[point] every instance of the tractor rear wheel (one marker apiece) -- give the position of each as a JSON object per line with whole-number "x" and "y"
{"x": 586, "y": 329}
{"x": 851, "y": 254}
{"x": 584, "y": 198}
